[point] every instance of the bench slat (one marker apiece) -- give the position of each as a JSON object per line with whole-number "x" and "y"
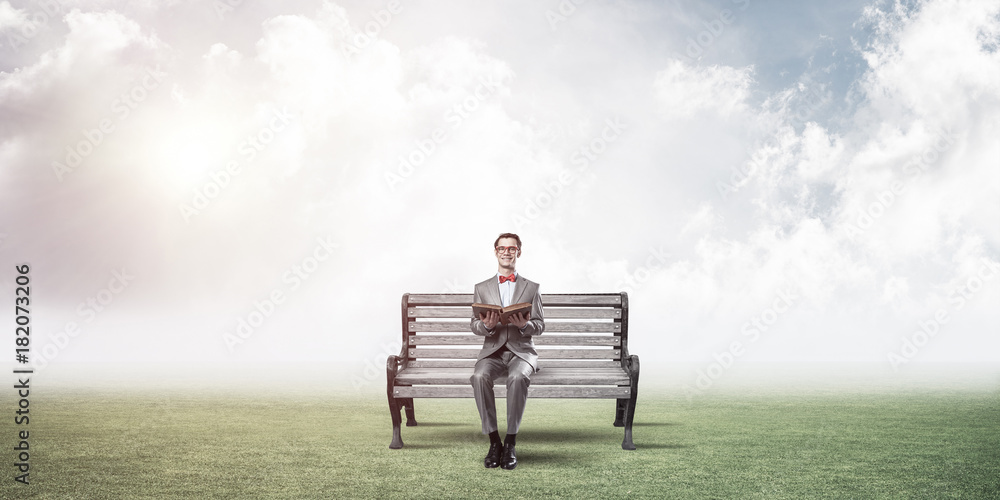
{"x": 542, "y": 353}
{"x": 549, "y": 363}
{"x": 445, "y": 299}
{"x": 582, "y": 299}
{"x": 550, "y": 312}
{"x": 553, "y": 326}
{"x": 547, "y": 376}
{"x": 560, "y": 340}
{"x": 581, "y": 392}
{"x": 553, "y": 299}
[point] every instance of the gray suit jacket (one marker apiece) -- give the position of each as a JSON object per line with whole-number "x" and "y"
{"x": 488, "y": 292}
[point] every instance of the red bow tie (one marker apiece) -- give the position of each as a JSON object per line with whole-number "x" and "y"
{"x": 508, "y": 278}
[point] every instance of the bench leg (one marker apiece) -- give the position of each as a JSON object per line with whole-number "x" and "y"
{"x": 627, "y": 443}
{"x": 397, "y": 420}
{"x": 394, "y": 404}
{"x": 620, "y": 407}
{"x": 411, "y": 421}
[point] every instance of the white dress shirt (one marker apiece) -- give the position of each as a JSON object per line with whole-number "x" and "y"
{"x": 506, "y": 290}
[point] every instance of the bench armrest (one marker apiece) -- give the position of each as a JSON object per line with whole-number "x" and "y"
{"x": 392, "y": 365}
{"x": 631, "y": 365}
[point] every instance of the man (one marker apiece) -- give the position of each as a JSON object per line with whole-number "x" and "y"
{"x": 506, "y": 348}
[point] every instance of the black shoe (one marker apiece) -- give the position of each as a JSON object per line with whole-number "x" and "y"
{"x": 492, "y": 459}
{"x": 509, "y": 460}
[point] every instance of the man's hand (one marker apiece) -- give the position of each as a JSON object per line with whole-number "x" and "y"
{"x": 519, "y": 319}
{"x": 489, "y": 319}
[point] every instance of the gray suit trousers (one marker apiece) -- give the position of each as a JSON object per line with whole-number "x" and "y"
{"x": 518, "y": 373}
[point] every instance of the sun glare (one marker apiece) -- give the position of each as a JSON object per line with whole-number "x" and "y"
{"x": 188, "y": 153}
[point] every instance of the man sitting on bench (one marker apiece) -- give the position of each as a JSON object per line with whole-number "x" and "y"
{"x": 506, "y": 348}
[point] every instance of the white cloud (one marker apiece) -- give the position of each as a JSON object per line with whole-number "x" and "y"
{"x": 684, "y": 90}
{"x": 821, "y": 154}
{"x": 13, "y": 19}
{"x": 936, "y": 65}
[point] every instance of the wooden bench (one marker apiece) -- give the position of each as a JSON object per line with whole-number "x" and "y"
{"x": 583, "y": 353}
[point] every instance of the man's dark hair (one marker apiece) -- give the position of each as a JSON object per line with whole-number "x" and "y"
{"x": 508, "y": 235}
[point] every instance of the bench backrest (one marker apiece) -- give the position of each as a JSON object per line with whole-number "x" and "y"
{"x": 581, "y": 330}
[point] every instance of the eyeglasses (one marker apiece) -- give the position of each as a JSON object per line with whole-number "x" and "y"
{"x": 506, "y": 249}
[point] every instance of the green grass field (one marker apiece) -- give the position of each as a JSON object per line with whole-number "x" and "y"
{"x": 736, "y": 445}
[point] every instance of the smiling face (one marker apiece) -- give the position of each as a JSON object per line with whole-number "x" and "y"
{"x": 507, "y": 252}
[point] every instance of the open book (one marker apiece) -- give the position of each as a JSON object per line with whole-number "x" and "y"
{"x": 505, "y": 312}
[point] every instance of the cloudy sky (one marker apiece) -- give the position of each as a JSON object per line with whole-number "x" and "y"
{"x": 819, "y": 181}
